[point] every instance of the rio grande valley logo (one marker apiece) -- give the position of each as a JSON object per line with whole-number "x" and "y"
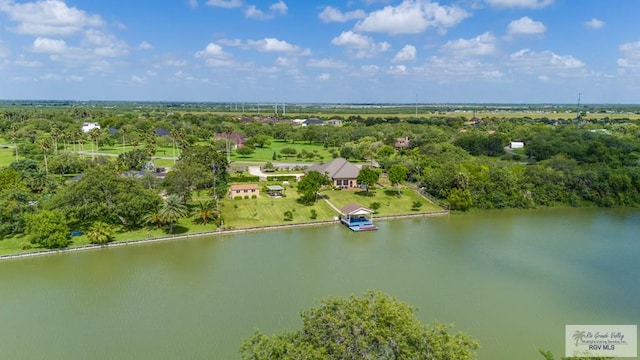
{"x": 601, "y": 340}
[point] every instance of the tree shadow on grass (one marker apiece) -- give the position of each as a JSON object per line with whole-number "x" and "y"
{"x": 391, "y": 192}
{"x": 178, "y": 230}
{"x": 365, "y": 193}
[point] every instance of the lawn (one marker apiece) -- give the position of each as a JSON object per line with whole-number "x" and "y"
{"x": 266, "y": 154}
{"x": 264, "y": 211}
{"x": 390, "y": 203}
{"x": 6, "y": 156}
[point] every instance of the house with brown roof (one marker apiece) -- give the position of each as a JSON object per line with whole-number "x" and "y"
{"x": 342, "y": 173}
{"x": 243, "y": 191}
{"x": 236, "y": 138}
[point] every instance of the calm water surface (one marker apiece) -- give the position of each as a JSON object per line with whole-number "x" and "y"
{"x": 512, "y": 279}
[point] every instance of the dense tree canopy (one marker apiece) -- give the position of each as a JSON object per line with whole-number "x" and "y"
{"x": 374, "y": 326}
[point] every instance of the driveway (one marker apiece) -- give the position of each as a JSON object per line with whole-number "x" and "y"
{"x": 255, "y": 171}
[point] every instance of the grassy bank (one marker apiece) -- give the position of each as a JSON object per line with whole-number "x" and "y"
{"x": 390, "y": 202}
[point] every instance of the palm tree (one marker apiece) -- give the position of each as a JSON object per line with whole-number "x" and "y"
{"x": 206, "y": 211}
{"x": 172, "y": 210}
{"x": 45, "y": 145}
{"x": 578, "y": 336}
{"x": 100, "y": 233}
{"x": 55, "y": 134}
{"x": 153, "y": 218}
{"x": 175, "y": 134}
{"x": 14, "y": 139}
{"x": 94, "y": 135}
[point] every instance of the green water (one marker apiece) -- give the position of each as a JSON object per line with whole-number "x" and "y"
{"x": 510, "y": 279}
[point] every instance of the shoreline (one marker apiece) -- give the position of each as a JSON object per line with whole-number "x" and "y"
{"x": 202, "y": 234}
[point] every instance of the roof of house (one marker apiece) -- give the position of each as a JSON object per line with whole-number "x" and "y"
{"x": 313, "y": 121}
{"x": 233, "y": 136}
{"x": 338, "y": 168}
{"x": 244, "y": 187}
{"x": 355, "y": 209}
{"x": 275, "y": 188}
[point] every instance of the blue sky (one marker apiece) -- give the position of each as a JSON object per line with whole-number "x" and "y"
{"x": 466, "y": 51}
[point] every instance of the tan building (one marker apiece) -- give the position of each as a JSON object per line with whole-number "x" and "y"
{"x": 342, "y": 173}
{"x": 243, "y": 190}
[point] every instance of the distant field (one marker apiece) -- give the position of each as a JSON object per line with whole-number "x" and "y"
{"x": 266, "y": 154}
{"x": 390, "y": 203}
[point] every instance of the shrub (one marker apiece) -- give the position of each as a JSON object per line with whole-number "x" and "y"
{"x": 254, "y": 196}
{"x": 375, "y": 206}
{"x": 288, "y": 215}
{"x": 246, "y": 197}
{"x": 314, "y": 214}
{"x": 416, "y": 205}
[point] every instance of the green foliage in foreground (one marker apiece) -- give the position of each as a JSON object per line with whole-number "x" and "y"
{"x": 374, "y": 326}
{"x": 549, "y": 356}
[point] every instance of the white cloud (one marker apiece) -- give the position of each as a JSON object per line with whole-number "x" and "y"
{"x": 22, "y": 61}
{"x": 48, "y": 18}
{"x": 105, "y": 44}
{"x": 145, "y": 46}
{"x": 631, "y": 59}
{"x": 545, "y": 62}
{"x": 407, "y": 53}
{"x": 324, "y": 77}
{"x": 225, "y": 3}
{"x": 193, "y": 3}
{"x": 276, "y": 45}
{"x": 595, "y": 24}
{"x": 280, "y": 7}
{"x": 331, "y": 14}
{"x": 326, "y": 63}
{"x": 525, "y": 26}
{"x": 49, "y": 46}
{"x": 397, "y": 70}
{"x": 50, "y": 77}
{"x": 361, "y": 46}
{"x": 275, "y": 9}
{"x": 412, "y": 17}
{"x": 369, "y": 69}
{"x": 4, "y": 49}
{"x": 484, "y": 44}
{"x": 526, "y": 4}
{"x": 212, "y": 50}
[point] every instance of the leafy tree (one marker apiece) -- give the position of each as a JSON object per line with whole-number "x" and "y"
{"x": 309, "y": 186}
{"x": 172, "y": 210}
{"x": 135, "y": 159}
{"x": 368, "y": 177}
{"x": 375, "y": 206}
{"x": 100, "y": 233}
{"x": 548, "y": 355}
{"x": 104, "y": 195}
{"x": 10, "y": 178}
{"x": 245, "y": 151}
{"x": 15, "y": 202}
{"x": 268, "y": 167}
{"x": 259, "y": 140}
{"x": 288, "y": 215}
{"x": 288, "y": 152}
{"x": 397, "y": 175}
{"x": 460, "y": 199}
{"x": 197, "y": 169}
{"x": 314, "y": 214}
{"x": 48, "y": 229}
{"x": 374, "y": 326}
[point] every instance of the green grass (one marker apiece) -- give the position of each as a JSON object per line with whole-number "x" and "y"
{"x": 390, "y": 203}
{"x": 6, "y": 157}
{"x": 266, "y": 154}
{"x": 264, "y": 211}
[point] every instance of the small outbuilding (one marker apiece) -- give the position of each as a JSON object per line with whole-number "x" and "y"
{"x": 243, "y": 190}
{"x": 516, "y": 145}
{"x": 275, "y": 191}
{"x": 357, "y": 218}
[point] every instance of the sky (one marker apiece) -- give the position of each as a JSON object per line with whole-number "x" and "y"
{"x": 356, "y": 51}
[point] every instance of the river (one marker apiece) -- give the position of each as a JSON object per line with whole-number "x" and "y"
{"x": 511, "y": 279}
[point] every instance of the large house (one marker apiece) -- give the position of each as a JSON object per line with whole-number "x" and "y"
{"x": 88, "y": 126}
{"x": 342, "y": 173}
{"x": 237, "y": 139}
